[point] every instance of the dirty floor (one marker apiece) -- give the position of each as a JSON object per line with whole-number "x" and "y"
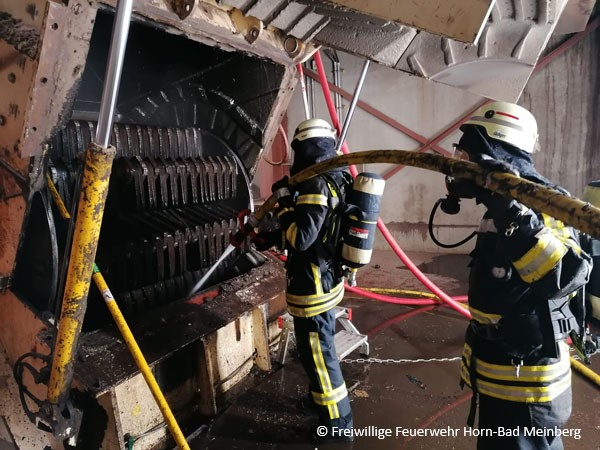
{"x": 416, "y": 386}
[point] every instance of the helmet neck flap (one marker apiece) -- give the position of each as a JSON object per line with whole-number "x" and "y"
{"x": 478, "y": 145}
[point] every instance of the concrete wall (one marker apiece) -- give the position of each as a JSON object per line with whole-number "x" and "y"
{"x": 563, "y": 97}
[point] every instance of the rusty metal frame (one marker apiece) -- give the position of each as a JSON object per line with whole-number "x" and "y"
{"x": 433, "y": 143}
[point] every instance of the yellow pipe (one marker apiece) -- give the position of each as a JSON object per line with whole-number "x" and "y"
{"x": 400, "y": 291}
{"x": 90, "y": 209}
{"x": 139, "y": 359}
{"x": 62, "y": 209}
{"x": 585, "y": 371}
{"x": 570, "y": 210}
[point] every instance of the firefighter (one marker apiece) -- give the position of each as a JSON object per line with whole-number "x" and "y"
{"x": 591, "y": 245}
{"x": 525, "y": 268}
{"x": 308, "y": 216}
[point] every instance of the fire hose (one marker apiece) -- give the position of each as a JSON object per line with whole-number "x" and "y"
{"x": 570, "y": 210}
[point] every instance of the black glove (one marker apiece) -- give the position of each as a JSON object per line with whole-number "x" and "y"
{"x": 496, "y": 204}
{"x": 266, "y": 240}
{"x": 461, "y": 188}
{"x": 280, "y": 187}
{"x": 281, "y": 191}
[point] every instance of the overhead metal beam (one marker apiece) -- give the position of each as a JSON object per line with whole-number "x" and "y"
{"x": 462, "y": 20}
{"x": 542, "y": 63}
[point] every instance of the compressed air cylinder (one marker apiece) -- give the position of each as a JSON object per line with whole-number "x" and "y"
{"x": 360, "y": 221}
{"x": 591, "y": 245}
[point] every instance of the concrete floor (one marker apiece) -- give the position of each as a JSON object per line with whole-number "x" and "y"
{"x": 410, "y": 395}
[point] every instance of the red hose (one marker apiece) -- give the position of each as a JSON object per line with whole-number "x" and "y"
{"x": 383, "y": 325}
{"x": 386, "y": 234}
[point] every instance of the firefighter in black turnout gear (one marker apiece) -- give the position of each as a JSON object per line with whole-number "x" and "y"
{"x": 309, "y": 221}
{"x": 525, "y": 269}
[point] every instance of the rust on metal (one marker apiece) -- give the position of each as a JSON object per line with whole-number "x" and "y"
{"x": 21, "y": 36}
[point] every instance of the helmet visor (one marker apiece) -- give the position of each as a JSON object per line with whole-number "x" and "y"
{"x": 460, "y": 153}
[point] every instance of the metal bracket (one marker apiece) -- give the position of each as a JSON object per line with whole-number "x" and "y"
{"x": 63, "y": 421}
{"x": 248, "y": 26}
{"x": 182, "y": 8}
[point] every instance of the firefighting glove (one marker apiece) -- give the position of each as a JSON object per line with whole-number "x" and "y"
{"x": 268, "y": 239}
{"x": 496, "y": 204}
{"x": 461, "y": 188}
{"x": 281, "y": 191}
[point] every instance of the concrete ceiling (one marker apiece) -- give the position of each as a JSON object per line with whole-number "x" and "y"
{"x": 484, "y": 46}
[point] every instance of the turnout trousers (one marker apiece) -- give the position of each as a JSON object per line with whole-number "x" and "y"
{"x": 495, "y": 414}
{"x": 315, "y": 343}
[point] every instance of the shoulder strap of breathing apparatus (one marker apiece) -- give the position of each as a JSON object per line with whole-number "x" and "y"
{"x": 337, "y": 207}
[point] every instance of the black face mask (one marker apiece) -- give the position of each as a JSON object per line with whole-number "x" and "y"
{"x": 478, "y": 145}
{"x": 311, "y": 151}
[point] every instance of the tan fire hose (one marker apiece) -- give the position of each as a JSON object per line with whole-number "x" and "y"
{"x": 570, "y": 210}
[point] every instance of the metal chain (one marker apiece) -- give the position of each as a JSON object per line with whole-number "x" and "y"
{"x": 397, "y": 361}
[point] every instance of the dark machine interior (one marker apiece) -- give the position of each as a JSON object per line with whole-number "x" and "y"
{"x": 188, "y": 131}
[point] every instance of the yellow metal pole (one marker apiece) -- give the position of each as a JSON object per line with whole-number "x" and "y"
{"x": 127, "y": 335}
{"x": 139, "y": 359}
{"x": 92, "y": 198}
{"x": 570, "y": 210}
{"x": 62, "y": 209}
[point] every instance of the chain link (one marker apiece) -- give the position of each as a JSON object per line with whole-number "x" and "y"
{"x": 397, "y": 361}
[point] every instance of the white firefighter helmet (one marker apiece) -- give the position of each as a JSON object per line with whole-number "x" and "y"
{"x": 507, "y": 122}
{"x": 312, "y": 128}
{"x": 591, "y": 193}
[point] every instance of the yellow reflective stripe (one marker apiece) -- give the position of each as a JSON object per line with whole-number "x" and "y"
{"x": 291, "y": 234}
{"x": 541, "y": 374}
{"x": 484, "y": 318}
{"x": 541, "y": 258}
{"x": 523, "y": 394}
{"x": 332, "y": 397}
{"x": 561, "y": 231}
{"x": 313, "y": 310}
{"x": 284, "y": 211}
{"x": 317, "y": 279}
{"x": 332, "y": 190}
{"x": 312, "y": 199}
{"x": 311, "y": 299}
{"x": 322, "y": 373}
{"x": 557, "y": 226}
{"x": 309, "y": 311}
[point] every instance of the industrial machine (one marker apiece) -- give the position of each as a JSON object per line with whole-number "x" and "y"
{"x": 203, "y": 90}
